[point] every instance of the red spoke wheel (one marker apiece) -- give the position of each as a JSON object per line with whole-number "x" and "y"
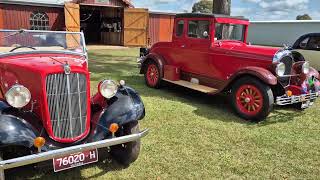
{"x": 252, "y": 99}
{"x": 152, "y": 75}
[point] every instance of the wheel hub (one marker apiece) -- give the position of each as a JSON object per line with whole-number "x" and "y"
{"x": 247, "y": 100}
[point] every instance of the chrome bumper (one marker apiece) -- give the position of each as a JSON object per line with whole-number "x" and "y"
{"x": 44, "y": 156}
{"x": 286, "y": 100}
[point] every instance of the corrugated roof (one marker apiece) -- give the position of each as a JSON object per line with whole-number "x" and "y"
{"x": 47, "y": 2}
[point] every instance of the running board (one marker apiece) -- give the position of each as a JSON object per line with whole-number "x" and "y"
{"x": 194, "y": 86}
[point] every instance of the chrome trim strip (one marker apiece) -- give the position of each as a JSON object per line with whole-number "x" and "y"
{"x": 285, "y": 100}
{"x": 81, "y": 125}
{"x": 69, "y": 105}
{"x": 43, "y": 156}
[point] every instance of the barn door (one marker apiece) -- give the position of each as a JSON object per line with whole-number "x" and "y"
{"x": 72, "y": 22}
{"x": 135, "y": 27}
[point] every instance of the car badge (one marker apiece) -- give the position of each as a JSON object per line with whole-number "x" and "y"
{"x": 67, "y": 69}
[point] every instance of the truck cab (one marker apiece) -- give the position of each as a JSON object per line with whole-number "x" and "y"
{"x": 210, "y": 53}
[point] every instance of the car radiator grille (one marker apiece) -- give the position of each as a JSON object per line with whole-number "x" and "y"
{"x": 67, "y": 103}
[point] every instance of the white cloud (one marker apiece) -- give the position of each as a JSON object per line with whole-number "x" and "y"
{"x": 276, "y": 10}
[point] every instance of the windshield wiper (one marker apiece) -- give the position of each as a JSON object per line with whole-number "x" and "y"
{"x": 15, "y": 33}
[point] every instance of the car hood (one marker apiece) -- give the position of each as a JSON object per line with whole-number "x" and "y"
{"x": 30, "y": 70}
{"x": 244, "y": 50}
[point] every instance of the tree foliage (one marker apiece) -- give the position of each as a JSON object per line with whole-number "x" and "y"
{"x": 203, "y": 6}
{"x": 304, "y": 17}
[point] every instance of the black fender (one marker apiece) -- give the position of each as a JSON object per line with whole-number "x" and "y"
{"x": 125, "y": 107}
{"x": 15, "y": 131}
{"x": 157, "y": 59}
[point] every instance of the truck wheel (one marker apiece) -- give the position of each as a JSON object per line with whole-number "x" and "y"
{"x": 127, "y": 153}
{"x": 252, "y": 99}
{"x": 152, "y": 75}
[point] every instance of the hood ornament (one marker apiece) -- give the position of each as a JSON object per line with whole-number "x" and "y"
{"x": 67, "y": 68}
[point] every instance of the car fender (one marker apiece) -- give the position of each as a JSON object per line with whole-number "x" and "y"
{"x": 156, "y": 58}
{"x": 261, "y": 73}
{"x": 15, "y": 131}
{"x": 126, "y": 106}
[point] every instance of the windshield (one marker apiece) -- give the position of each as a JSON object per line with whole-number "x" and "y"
{"x": 28, "y": 41}
{"x": 230, "y": 32}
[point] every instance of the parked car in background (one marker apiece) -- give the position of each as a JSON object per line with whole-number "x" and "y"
{"x": 47, "y": 112}
{"x": 209, "y": 53}
{"x": 309, "y": 46}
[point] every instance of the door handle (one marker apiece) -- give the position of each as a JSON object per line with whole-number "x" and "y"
{"x": 183, "y": 46}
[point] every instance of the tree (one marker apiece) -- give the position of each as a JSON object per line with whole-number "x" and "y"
{"x": 222, "y": 7}
{"x": 304, "y": 17}
{"x": 203, "y": 6}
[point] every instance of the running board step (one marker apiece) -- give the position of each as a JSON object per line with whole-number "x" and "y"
{"x": 197, "y": 87}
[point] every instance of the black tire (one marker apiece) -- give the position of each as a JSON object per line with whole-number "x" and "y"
{"x": 265, "y": 92}
{"x": 157, "y": 83}
{"x": 127, "y": 153}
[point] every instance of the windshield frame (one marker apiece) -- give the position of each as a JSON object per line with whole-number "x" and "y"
{"x": 84, "y": 48}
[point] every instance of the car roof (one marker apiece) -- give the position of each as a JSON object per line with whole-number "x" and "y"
{"x": 206, "y": 15}
{"x": 303, "y": 37}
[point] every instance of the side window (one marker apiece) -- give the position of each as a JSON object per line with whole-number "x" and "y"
{"x": 303, "y": 44}
{"x": 179, "y": 28}
{"x": 314, "y": 43}
{"x": 198, "y": 29}
{"x": 39, "y": 21}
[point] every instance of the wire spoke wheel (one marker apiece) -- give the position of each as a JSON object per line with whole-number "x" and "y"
{"x": 152, "y": 75}
{"x": 249, "y": 99}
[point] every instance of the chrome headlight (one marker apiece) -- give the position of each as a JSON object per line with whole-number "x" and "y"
{"x": 280, "y": 69}
{"x": 108, "y": 88}
{"x": 18, "y": 96}
{"x": 280, "y": 54}
{"x": 305, "y": 67}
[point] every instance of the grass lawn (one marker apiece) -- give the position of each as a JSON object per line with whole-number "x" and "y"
{"x": 193, "y": 135}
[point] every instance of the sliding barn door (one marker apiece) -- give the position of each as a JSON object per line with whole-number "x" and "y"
{"x": 136, "y": 27}
{"x": 72, "y": 22}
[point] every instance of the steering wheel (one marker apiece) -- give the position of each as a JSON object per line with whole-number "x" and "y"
{"x": 30, "y": 47}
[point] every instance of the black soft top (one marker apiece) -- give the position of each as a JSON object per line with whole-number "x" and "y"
{"x": 206, "y": 15}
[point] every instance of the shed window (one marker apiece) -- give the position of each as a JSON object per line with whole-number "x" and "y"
{"x": 39, "y": 21}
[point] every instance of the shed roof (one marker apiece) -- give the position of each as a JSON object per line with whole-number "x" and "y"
{"x": 205, "y": 15}
{"x": 49, "y": 3}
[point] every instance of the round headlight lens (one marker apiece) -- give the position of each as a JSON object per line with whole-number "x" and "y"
{"x": 280, "y": 69}
{"x": 18, "y": 96}
{"x": 108, "y": 88}
{"x": 306, "y": 68}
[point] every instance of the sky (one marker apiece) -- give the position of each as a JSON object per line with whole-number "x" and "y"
{"x": 255, "y": 10}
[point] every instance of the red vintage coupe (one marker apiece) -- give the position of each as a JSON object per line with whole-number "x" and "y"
{"x": 209, "y": 53}
{"x": 46, "y": 112}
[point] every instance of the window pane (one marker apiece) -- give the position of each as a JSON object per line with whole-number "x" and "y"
{"x": 197, "y": 29}
{"x": 314, "y": 43}
{"x": 39, "y": 21}
{"x": 304, "y": 43}
{"x": 229, "y": 32}
{"x": 180, "y": 26}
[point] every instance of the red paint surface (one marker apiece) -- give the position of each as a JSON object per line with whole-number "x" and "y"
{"x": 18, "y": 16}
{"x": 31, "y": 71}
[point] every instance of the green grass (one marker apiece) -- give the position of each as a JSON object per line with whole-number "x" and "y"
{"x": 193, "y": 135}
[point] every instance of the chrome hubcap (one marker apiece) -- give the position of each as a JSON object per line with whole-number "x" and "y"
{"x": 247, "y": 100}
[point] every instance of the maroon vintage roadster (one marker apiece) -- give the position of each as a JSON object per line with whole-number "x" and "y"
{"x": 209, "y": 53}
{"x": 46, "y": 111}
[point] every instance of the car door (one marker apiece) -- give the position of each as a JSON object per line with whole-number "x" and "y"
{"x": 310, "y": 49}
{"x": 196, "y": 48}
